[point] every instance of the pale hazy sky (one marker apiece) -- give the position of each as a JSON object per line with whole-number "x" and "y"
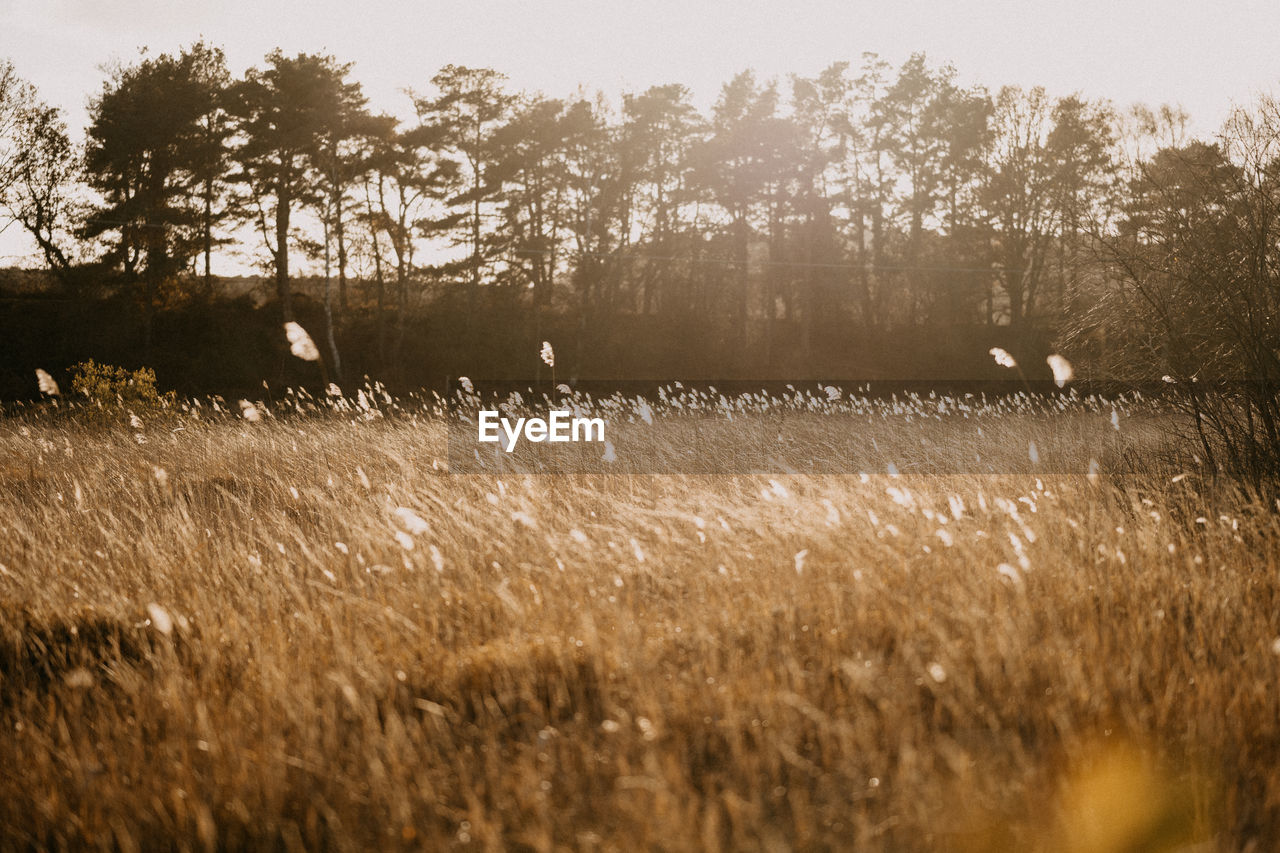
{"x": 1203, "y": 55}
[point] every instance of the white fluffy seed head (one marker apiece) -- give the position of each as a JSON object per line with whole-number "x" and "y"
{"x": 1062, "y": 371}
{"x": 1010, "y": 573}
{"x": 300, "y": 343}
{"x": 411, "y": 521}
{"x": 46, "y": 383}
{"x": 1002, "y": 357}
{"x": 160, "y": 618}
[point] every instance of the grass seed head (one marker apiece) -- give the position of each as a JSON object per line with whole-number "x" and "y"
{"x": 1002, "y": 357}
{"x": 1062, "y": 370}
{"x": 300, "y": 343}
{"x": 47, "y": 384}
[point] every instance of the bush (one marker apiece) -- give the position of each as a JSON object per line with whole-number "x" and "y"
{"x": 106, "y": 386}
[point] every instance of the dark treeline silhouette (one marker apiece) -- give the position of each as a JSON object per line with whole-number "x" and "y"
{"x": 868, "y": 222}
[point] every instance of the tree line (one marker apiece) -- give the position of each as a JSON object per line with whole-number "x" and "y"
{"x": 864, "y": 202}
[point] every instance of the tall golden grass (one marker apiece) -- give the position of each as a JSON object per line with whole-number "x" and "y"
{"x": 301, "y": 633}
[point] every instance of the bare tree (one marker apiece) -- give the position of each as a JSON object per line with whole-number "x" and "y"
{"x": 1188, "y": 289}
{"x": 38, "y": 167}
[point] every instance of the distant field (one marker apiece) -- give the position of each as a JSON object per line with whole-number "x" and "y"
{"x": 303, "y": 633}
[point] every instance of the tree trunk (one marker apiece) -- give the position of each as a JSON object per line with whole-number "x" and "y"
{"x": 208, "y": 239}
{"x": 148, "y": 312}
{"x": 328, "y": 310}
{"x": 379, "y": 317}
{"x": 402, "y": 309}
{"x": 474, "y": 291}
{"x": 282, "y": 253}
{"x": 340, "y": 231}
{"x": 744, "y": 285}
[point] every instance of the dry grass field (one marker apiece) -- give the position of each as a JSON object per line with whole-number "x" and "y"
{"x": 303, "y": 633}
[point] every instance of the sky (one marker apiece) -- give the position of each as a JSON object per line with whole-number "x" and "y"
{"x": 1202, "y": 55}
